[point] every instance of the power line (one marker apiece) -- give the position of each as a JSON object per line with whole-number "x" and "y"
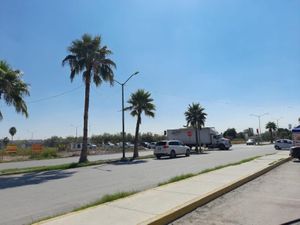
{"x": 55, "y": 96}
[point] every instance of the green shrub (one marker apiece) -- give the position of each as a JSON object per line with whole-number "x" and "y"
{"x": 47, "y": 153}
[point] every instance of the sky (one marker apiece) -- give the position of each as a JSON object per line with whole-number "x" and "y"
{"x": 234, "y": 57}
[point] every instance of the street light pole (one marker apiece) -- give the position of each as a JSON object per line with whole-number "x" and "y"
{"x": 123, "y": 118}
{"x": 76, "y": 127}
{"x": 259, "y": 116}
{"x": 123, "y": 124}
{"x": 277, "y": 121}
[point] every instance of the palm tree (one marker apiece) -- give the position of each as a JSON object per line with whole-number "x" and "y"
{"x": 12, "y": 88}
{"x": 140, "y": 102}
{"x": 12, "y": 132}
{"x": 195, "y": 117}
{"x": 88, "y": 57}
{"x": 271, "y": 126}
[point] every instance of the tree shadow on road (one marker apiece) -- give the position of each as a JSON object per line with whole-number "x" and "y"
{"x": 32, "y": 178}
{"x": 129, "y": 162}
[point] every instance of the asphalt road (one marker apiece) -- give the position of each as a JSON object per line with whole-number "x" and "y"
{"x": 28, "y": 197}
{"x": 271, "y": 199}
{"x": 59, "y": 161}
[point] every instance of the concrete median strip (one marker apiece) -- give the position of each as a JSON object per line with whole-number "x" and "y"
{"x": 166, "y": 203}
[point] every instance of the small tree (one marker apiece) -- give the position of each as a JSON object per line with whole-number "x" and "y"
{"x": 195, "y": 117}
{"x": 230, "y": 133}
{"x": 271, "y": 126}
{"x": 140, "y": 102}
{"x": 12, "y": 132}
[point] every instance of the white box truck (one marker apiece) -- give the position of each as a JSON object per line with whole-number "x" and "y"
{"x": 207, "y": 137}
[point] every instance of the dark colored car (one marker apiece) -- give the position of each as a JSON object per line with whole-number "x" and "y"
{"x": 295, "y": 152}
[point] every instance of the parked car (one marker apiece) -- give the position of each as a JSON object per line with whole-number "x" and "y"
{"x": 171, "y": 148}
{"x": 145, "y": 144}
{"x": 92, "y": 146}
{"x": 283, "y": 144}
{"x": 129, "y": 145}
{"x": 251, "y": 141}
{"x": 109, "y": 144}
{"x": 152, "y": 145}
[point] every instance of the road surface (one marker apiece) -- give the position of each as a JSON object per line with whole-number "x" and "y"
{"x": 28, "y": 197}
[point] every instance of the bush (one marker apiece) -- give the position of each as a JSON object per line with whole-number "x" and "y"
{"x": 47, "y": 153}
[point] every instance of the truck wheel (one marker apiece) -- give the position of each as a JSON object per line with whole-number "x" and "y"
{"x": 187, "y": 153}
{"x": 158, "y": 156}
{"x": 222, "y": 147}
{"x": 172, "y": 154}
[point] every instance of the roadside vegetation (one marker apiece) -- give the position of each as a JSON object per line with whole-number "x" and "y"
{"x": 271, "y": 126}
{"x": 107, "y": 198}
{"x": 273, "y": 132}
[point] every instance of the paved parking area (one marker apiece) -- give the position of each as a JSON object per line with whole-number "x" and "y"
{"x": 271, "y": 199}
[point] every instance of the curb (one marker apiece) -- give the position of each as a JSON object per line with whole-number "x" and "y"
{"x": 197, "y": 202}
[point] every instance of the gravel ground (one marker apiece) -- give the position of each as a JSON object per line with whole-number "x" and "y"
{"x": 271, "y": 199}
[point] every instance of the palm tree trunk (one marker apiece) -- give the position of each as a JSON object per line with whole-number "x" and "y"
{"x": 197, "y": 141}
{"x": 200, "y": 139}
{"x": 271, "y": 136}
{"x": 84, "y": 151}
{"x": 136, "y": 138}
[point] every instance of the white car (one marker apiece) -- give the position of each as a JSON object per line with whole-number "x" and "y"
{"x": 171, "y": 148}
{"x": 283, "y": 144}
{"x": 251, "y": 141}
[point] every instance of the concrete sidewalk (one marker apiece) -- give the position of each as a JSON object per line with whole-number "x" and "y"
{"x": 164, "y": 204}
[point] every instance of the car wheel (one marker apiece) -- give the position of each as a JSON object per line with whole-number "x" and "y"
{"x": 158, "y": 156}
{"x": 187, "y": 153}
{"x": 277, "y": 147}
{"x": 172, "y": 154}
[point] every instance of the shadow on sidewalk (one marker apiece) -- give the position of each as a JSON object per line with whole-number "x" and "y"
{"x": 297, "y": 221}
{"x": 296, "y": 160}
{"x": 32, "y": 178}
